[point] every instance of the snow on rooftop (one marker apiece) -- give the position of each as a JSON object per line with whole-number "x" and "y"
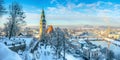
{"x": 85, "y": 47}
{"x": 82, "y": 41}
{"x": 95, "y": 49}
{"x": 71, "y": 57}
{"x": 113, "y": 41}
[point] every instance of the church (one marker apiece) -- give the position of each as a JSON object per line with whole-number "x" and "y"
{"x": 43, "y": 26}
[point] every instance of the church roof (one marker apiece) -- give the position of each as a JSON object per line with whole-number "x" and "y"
{"x": 50, "y": 29}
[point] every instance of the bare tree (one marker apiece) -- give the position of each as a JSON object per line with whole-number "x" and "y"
{"x": 15, "y": 20}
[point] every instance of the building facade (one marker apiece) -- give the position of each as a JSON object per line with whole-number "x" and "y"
{"x": 42, "y": 25}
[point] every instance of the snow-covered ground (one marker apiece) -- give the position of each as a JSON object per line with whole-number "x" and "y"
{"x": 7, "y": 54}
{"x": 49, "y": 54}
{"x": 45, "y": 54}
{"x": 28, "y": 40}
{"x": 41, "y": 53}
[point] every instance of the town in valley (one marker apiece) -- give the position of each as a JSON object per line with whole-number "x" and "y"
{"x": 59, "y": 30}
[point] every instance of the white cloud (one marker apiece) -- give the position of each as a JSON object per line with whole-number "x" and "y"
{"x": 32, "y": 16}
{"x": 86, "y": 13}
{"x": 90, "y": 12}
{"x": 80, "y": 5}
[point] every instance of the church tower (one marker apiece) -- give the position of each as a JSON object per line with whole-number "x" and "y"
{"x": 42, "y": 24}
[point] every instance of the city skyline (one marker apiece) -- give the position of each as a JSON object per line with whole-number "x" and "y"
{"x": 68, "y": 12}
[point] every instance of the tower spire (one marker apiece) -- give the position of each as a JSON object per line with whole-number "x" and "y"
{"x": 42, "y": 24}
{"x": 42, "y": 15}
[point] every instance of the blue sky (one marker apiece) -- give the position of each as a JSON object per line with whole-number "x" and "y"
{"x": 71, "y": 12}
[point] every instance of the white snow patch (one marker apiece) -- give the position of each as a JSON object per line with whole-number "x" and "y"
{"x": 7, "y": 54}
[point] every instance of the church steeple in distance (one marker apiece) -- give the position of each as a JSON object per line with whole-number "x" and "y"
{"x": 43, "y": 15}
{"x": 42, "y": 24}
